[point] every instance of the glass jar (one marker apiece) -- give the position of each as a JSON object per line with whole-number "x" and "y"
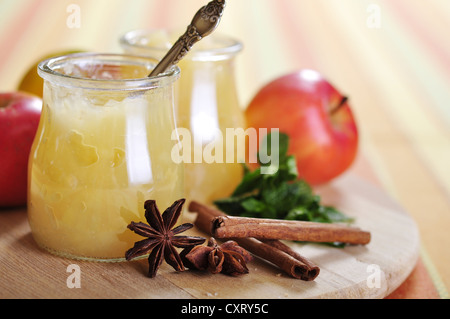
{"x": 103, "y": 147}
{"x": 208, "y": 106}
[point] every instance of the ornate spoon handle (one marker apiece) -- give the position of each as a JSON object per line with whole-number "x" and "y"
{"x": 204, "y": 23}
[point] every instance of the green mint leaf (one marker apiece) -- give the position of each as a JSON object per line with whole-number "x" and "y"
{"x": 280, "y": 151}
{"x": 257, "y": 208}
{"x": 299, "y": 213}
{"x": 335, "y": 216}
{"x": 291, "y": 168}
{"x": 253, "y": 205}
{"x": 279, "y": 194}
{"x": 249, "y": 183}
{"x": 231, "y": 206}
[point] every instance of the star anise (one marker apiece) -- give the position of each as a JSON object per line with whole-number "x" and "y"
{"x": 161, "y": 239}
{"x": 228, "y": 258}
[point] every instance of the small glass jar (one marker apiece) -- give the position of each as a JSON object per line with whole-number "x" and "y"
{"x": 208, "y": 105}
{"x": 103, "y": 147}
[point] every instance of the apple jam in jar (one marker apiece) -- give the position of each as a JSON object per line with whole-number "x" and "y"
{"x": 208, "y": 105}
{"x": 103, "y": 147}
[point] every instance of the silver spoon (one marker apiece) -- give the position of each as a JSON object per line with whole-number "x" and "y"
{"x": 203, "y": 24}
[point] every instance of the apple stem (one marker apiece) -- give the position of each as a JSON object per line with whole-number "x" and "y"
{"x": 338, "y": 107}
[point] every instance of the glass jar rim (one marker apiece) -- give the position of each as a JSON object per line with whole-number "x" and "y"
{"x": 47, "y": 70}
{"x": 227, "y": 47}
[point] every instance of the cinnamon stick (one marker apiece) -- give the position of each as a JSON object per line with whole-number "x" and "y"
{"x": 272, "y": 251}
{"x": 243, "y": 227}
{"x": 313, "y": 270}
{"x": 286, "y": 261}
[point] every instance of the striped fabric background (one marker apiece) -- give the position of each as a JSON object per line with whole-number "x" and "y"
{"x": 391, "y": 57}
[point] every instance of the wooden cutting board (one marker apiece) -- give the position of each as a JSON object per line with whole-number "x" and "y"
{"x": 372, "y": 271}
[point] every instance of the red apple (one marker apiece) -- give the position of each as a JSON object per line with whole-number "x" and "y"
{"x": 318, "y": 119}
{"x": 19, "y": 119}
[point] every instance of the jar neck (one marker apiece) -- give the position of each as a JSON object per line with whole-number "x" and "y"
{"x": 105, "y": 72}
{"x": 156, "y": 43}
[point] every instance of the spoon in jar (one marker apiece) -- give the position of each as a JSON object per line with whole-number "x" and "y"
{"x": 203, "y": 24}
